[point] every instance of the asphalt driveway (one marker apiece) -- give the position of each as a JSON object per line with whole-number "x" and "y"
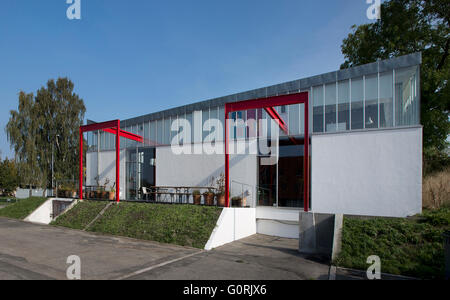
{"x": 30, "y": 251}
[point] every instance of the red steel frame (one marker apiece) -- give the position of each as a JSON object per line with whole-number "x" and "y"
{"x": 110, "y": 127}
{"x": 268, "y": 104}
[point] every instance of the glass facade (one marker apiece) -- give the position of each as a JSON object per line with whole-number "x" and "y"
{"x": 374, "y": 100}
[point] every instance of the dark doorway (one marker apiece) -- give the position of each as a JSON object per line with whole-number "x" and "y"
{"x": 140, "y": 167}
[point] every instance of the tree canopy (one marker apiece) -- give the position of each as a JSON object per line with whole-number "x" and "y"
{"x": 408, "y": 26}
{"x": 44, "y": 124}
{"x": 9, "y": 180}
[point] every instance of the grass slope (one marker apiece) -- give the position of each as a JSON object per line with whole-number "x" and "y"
{"x": 185, "y": 225}
{"x": 410, "y": 247}
{"x": 22, "y": 208}
{"x": 80, "y": 215}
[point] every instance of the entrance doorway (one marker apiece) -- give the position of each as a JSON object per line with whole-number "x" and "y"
{"x": 281, "y": 184}
{"x": 288, "y": 170}
{"x": 140, "y": 171}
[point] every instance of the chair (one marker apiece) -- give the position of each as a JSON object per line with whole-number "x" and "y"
{"x": 145, "y": 193}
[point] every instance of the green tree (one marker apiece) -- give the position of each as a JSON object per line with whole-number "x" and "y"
{"x": 55, "y": 114}
{"x": 408, "y": 26}
{"x": 21, "y": 133}
{"x": 9, "y": 180}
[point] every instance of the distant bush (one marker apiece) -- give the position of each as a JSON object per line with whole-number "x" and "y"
{"x": 436, "y": 190}
{"x": 434, "y": 161}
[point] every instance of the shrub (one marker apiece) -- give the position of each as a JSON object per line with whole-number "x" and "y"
{"x": 436, "y": 190}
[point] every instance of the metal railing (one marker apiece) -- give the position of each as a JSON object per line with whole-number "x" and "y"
{"x": 243, "y": 191}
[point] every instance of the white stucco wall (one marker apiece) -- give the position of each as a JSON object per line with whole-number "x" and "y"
{"x": 274, "y": 221}
{"x": 197, "y": 170}
{"x": 233, "y": 224}
{"x": 43, "y": 214}
{"x": 106, "y": 168}
{"x": 374, "y": 173}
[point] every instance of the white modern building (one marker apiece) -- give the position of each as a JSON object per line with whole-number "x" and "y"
{"x": 365, "y": 147}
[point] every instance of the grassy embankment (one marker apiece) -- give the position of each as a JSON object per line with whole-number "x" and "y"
{"x": 22, "y": 208}
{"x": 411, "y": 247}
{"x": 185, "y": 225}
{"x": 80, "y": 215}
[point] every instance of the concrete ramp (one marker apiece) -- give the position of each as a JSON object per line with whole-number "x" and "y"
{"x": 49, "y": 210}
{"x": 233, "y": 224}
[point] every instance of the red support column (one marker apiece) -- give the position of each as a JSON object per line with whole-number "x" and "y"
{"x": 306, "y": 159}
{"x": 118, "y": 162}
{"x": 227, "y": 161}
{"x": 80, "y": 190}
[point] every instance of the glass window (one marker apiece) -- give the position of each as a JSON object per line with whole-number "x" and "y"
{"x": 152, "y": 132}
{"x": 386, "y": 105}
{"x": 159, "y": 131}
{"x": 344, "y": 105}
{"x": 302, "y": 114}
{"x": 205, "y": 117}
{"x": 222, "y": 118}
{"x": 240, "y": 125}
{"x": 131, "y": 143}
{"x": 113, "y": 141}
{"x": 125, "y": 141}
{"x": 95, "y": 140}
{"x": 175, "y": 123}
{"x": 146, "y": 133}
{"x": 406, "y": 100}
{"x": 214, "y": 113}
{"x": 214, "y": 116}
{"x": 252, "y": 126}
{"x": 330, "y": 107}
{"x": 357, "y": 103}
{"x": 318, "y": 114}
{"x": 283, "y": 112}
{"x": 371, "y": 102}
{"x": 232, "y": 125}
{"x": 166, "y": 131}
{"x": 294, "y": 119}
{"x": 189, "y": 119}
{"x": 108, "y": 141}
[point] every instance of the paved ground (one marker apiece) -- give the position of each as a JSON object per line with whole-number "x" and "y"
{"x": 29, "y": 251}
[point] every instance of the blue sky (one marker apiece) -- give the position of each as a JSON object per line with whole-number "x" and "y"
{"x": 129, "y": 58}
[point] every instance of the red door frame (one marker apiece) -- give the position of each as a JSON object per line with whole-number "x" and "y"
{"x": 110, "y": 127}
{"x": 268, "y": 104}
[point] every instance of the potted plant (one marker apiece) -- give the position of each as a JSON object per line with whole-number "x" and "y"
{"x": 220, "y": 195}
{"x": 209, "y": 197}
{"x": 236, "y": 202}
{"x": 104, "y": 193}
{"x": 97, "y": 192}
{"x": 197, "y": 197}
{"x": 112, "y": 192}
